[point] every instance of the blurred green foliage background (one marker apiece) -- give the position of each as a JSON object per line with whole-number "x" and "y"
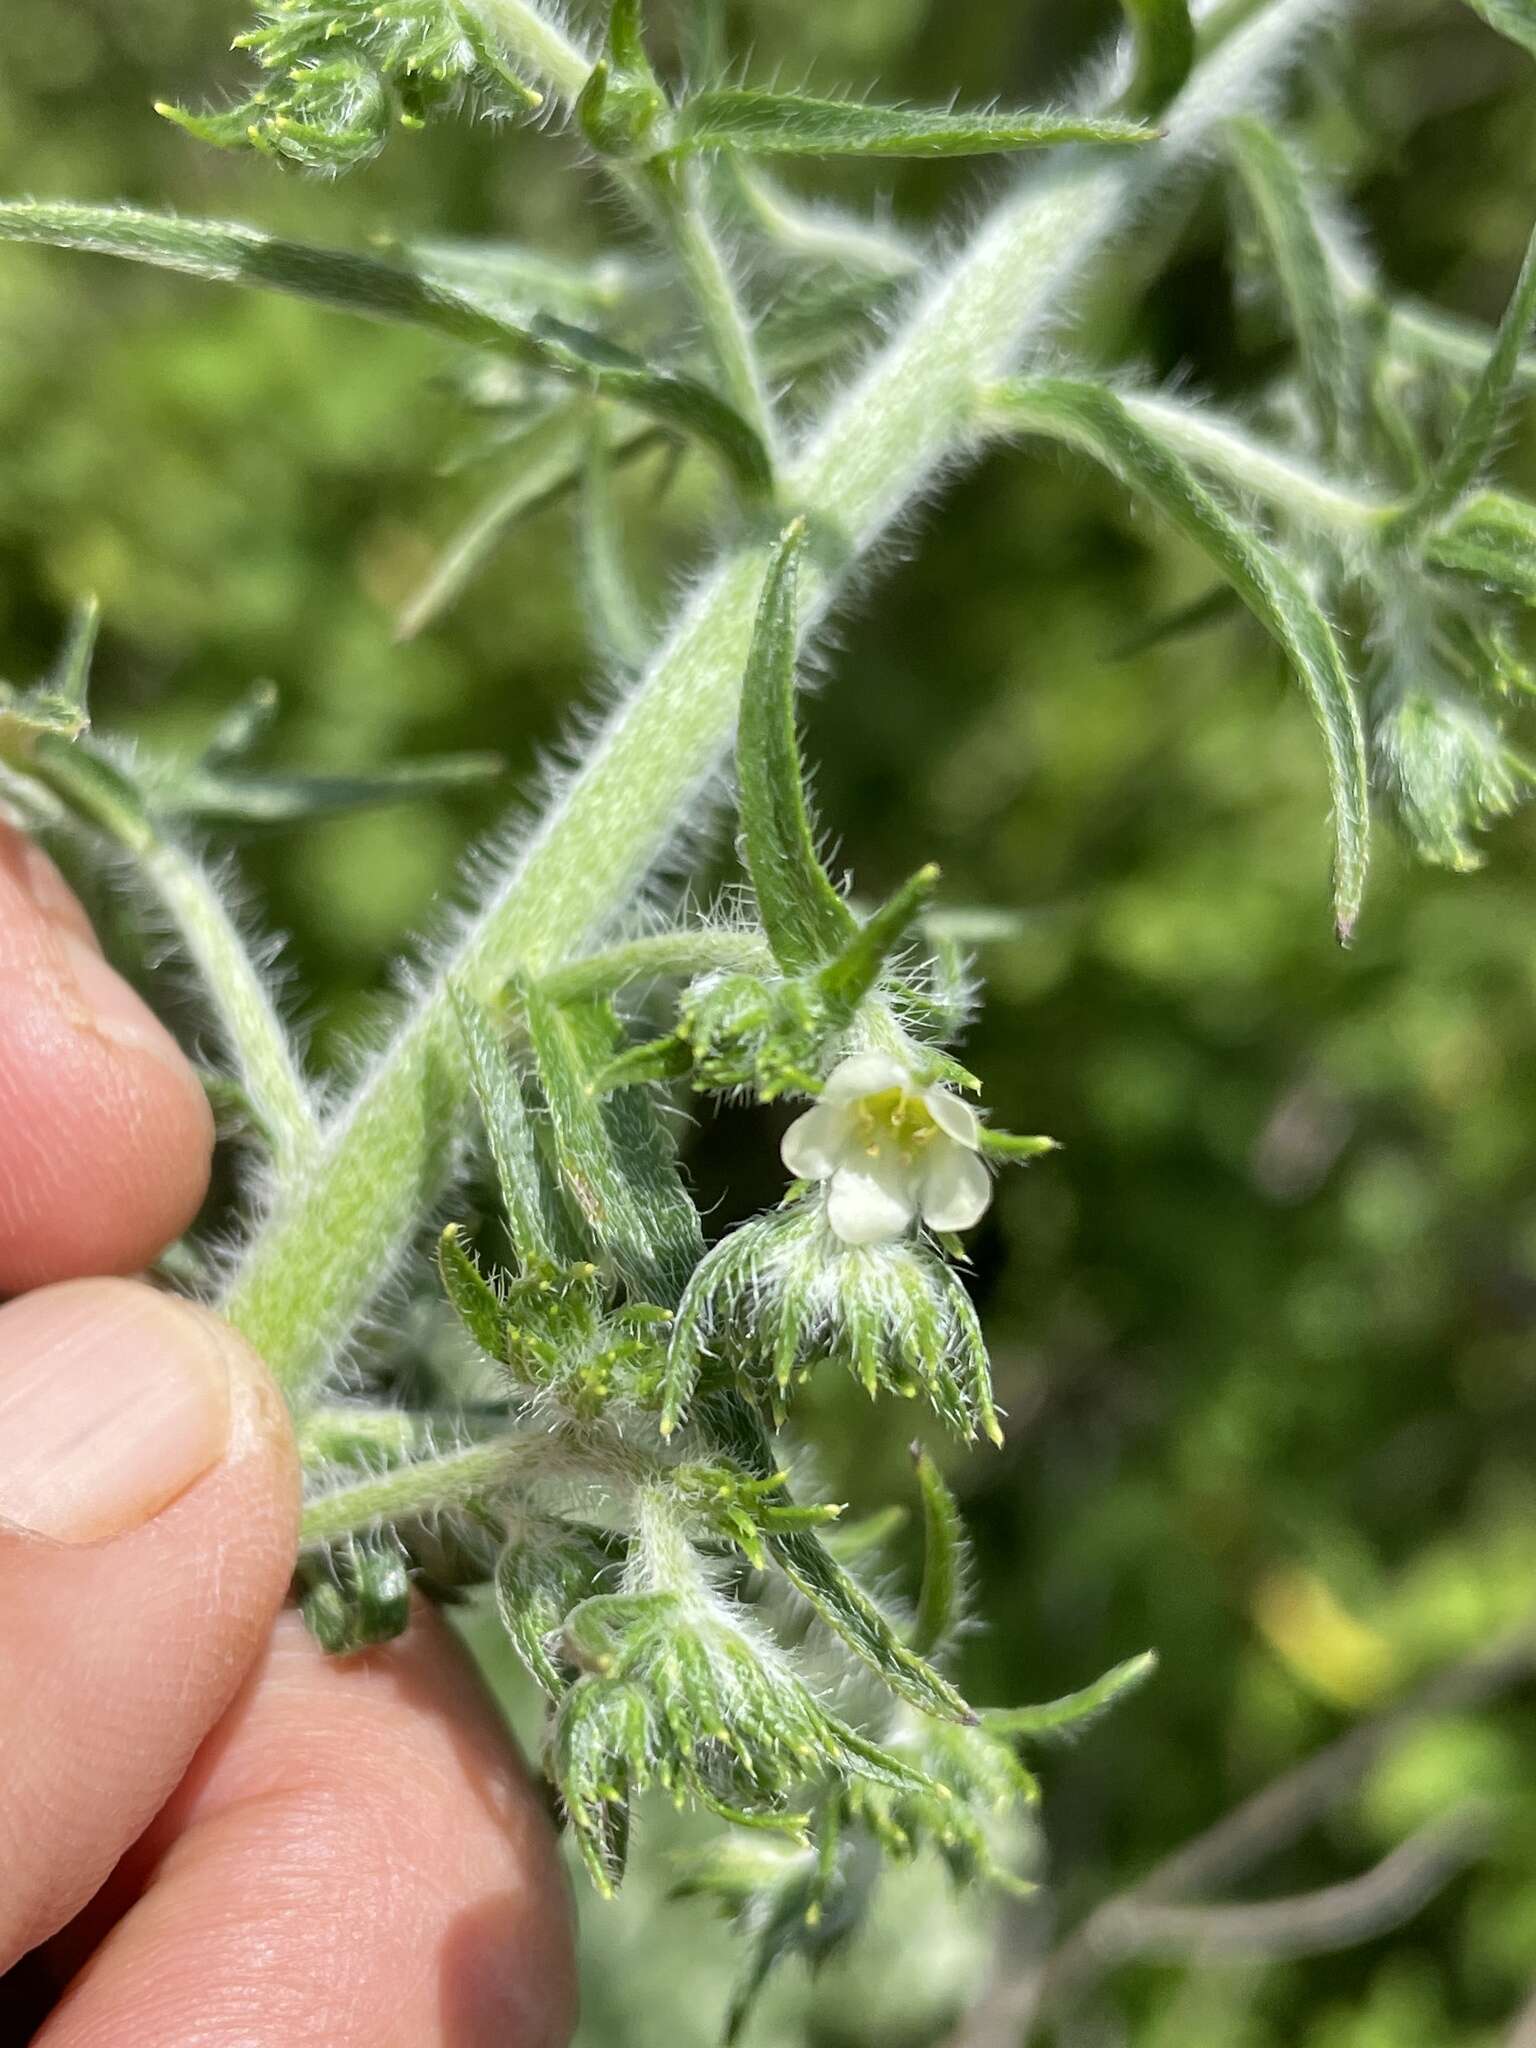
{"x": 1264, "y": 1327}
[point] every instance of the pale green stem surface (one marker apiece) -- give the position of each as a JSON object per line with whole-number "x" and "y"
{"x": 253, "y": 1032}
{"x": 335, "y": 1231}
{"x": 659, "y": 955}
{"x": 682, "y": 200}
{"x": 453, "y": 1480}
{"x": 538, "y": 43}
{"x": 1225, "y": 449}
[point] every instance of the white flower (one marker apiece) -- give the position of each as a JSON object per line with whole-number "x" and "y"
{"x": 892, "y": 1151}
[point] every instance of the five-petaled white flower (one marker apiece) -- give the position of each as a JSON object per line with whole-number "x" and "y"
{"x": 892, "y": 1150}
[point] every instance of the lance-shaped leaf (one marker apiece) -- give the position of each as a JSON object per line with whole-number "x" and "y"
{"x": 546, "y": 1570}
{"x": 626, "y": 1193}
{"x": 546, "y": 463}
{"x": 646, "y": 1157}
{"x": 471, "y": 1296}
{"x": 1210, "y": 609}
{"x": 806, "y": 920}
{"x": 1513, "y": 18}
{"x": 1285, "y": 213}
{"x": 1492, "y": 539}
{"x": 941, "y": 1602}
{"x": 619, "y": 624}
{"x": 1092, "y": 418}
{"x": 1075, "y": 1711}
{"x": 499, "y": 1096}
{"x": 822, "y": 1582}
{"x": 1165, "y": 51}
{"x": 793, "y": 124}
{"x": 1482, "y": 417}
{"x": 353, "y": 283}
{"x": 212, "y": 795}
{"x": 847, "y": 980}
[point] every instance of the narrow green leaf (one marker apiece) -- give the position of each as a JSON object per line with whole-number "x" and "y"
{"x": 626, "y": 36}
{"x": 502, "y": 1110}
{"x": 847, "y": 980}
{"x": 1483, "y": 415}
{"x": 1071, "y": 1714}
{"x": 1513, "y": 18}
{"x": 471, "y": 1296}
{"x": 1285, "y": 213}
{"x": 640, "y": 1241}
{"x": 352, "y": 283}
{"x": 806, "y": 920}
{"x": 658, "y": 1059}
{"x": 1492, "y": 539}
{"x": 669, "y": 955}
{"x": 792, "y": 124}
{"x": 70, "y": 680}
{"x": 1005, "y": 1146}
{"x": 671, "y": 1242}
{"x": 941, "y": 1601}
{"x": 619, "y": 625}
{"x": 216, "y": 797}
{"x": 1210, "y": 609}
{"x": 1165, "y": 51}
{"x": 821, "y": 1581}
{"x": 546, "y": 462}
{"x": 1092, "y": 418}
{"x": 544, "y": 1572}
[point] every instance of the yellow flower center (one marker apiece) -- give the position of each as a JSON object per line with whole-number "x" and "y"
{"x": 893, "y": 1121}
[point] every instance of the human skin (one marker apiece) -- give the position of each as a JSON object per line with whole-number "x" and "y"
{"x": 210, "y": 1833}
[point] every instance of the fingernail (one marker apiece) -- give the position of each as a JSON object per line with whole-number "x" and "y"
{"x": 113, "y": 1400}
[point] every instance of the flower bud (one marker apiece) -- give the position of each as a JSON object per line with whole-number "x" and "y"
{"x": 785, "y": 1292}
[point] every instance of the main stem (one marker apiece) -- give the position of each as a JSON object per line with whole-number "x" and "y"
{"x": 337, "y": 1228}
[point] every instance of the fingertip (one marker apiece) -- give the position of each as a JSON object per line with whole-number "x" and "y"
{"x": 109, "y": 1136}
{"x": 357, "y": 1859}
{"x": 148, "y": 1516}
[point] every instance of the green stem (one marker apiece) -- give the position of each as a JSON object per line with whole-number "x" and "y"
{"x": 457, "y": 1479}
{"x": 658, "y": 956}
{"x": 333, "y": 1234}
{"x": 1255, "y": 470}
{"x": 682, "y": 202}
{"x": 253, "y": 1032}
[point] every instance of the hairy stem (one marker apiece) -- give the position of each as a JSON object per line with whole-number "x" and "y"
{"x": 538, "y": 43}
{"x": 682, "y": 201}
{"x": 1224, "y": 449}
{"x": 334, "y": 1232}
{"x": 453, "y": 1480}
{"x": 253, "y": 1033}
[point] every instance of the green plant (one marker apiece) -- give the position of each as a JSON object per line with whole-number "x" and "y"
{"x": 600, "y": 1448}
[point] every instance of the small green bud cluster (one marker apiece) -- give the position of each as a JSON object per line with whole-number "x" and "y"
{"x": 344, "y": 73}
